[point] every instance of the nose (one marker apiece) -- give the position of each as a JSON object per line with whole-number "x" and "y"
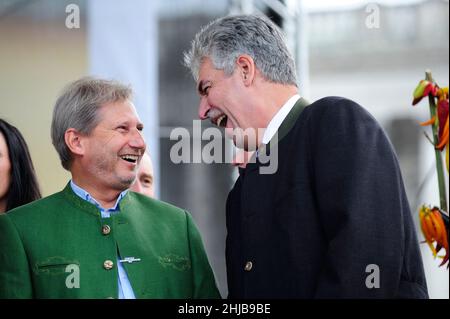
{"x": 137, "y": 140}
{"x": 203, "y": 108}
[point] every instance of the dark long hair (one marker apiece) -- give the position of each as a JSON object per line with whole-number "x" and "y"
{"x": 24, "y": 187}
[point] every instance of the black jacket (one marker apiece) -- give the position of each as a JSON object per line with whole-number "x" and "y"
{"x": 332, "y": 217}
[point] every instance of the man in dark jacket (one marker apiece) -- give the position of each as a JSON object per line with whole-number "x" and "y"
{"x": 332, "y": 219}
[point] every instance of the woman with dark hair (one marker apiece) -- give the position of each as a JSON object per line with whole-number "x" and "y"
{"x": 18, "y": 183}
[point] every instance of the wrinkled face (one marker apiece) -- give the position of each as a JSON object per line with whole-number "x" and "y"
{"x": 114, "y": 148}
{"x": 223, "y": 100}
{"x": 5, "y": 168}
{"x": 144, "y": 180}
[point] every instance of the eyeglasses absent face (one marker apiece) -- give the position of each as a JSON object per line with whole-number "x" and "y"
{"x": 144, "y": 179}
{"x": 115, "y": 147}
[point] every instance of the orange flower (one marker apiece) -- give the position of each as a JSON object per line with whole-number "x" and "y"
{"x": 442, "y": 110}
{"x": 428, "y": 88}
{"x": 443, "y": 137}
{"x": 434, "y": 230}
{"x": 429, "y": 122}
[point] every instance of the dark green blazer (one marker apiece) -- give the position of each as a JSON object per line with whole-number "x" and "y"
{"x": 60, "y": 247}
{"x": 334, "y": 210}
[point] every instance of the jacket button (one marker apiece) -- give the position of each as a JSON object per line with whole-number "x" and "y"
{"x": 248, "y": 266}
{"x": 106, "y": 229}
{"x": 108, "y": 264}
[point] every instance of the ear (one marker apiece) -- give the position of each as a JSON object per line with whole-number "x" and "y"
{"x": 74, "y": 141}
{"x": 246, "y": 68}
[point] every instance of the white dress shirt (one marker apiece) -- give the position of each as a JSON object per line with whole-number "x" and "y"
{"x": 279, "y": 117}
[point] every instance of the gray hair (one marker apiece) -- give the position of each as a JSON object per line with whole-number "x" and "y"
{"x": 225, "y": 39}
{"x": 77, "y": 107}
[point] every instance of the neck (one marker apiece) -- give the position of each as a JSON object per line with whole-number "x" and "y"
{"x": 271, "y": 100}
{"x": 3, "y": 204}
{"x": 106, "y": 197}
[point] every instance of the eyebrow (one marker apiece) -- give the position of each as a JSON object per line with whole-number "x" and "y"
{"x": 145, "y": 175}
{"x": 200, "y": 86}
{"x": 139, "y": 125}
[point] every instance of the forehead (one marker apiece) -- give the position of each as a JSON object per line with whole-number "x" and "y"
{"x": 207, "y": 73}
{"x": 146, "y": 165}
{"x": 119, "y": 110}
{"x": 3, "y": 146}
{"x": 207, "y": 70}
{"x": 206, "y": 66}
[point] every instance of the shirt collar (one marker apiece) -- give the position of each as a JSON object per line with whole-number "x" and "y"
{"x": 87, "y": 197}
{"x": 278, "y": 119}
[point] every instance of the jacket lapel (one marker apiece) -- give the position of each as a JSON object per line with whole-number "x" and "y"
{"x": 284, "y": 129}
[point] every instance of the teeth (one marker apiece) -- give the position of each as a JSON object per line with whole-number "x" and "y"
{"x": 220, "y": 119}
{"x": 130, "y": 157}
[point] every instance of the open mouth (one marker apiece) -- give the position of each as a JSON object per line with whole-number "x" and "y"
{"x": 220, "y": 120}
{"x": 130, "y": 158}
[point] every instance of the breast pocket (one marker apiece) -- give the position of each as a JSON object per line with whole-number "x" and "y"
{"x": 55, "y": 266}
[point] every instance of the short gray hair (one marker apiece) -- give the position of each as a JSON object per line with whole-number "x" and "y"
{"x": 225, "y": 39}
{"x": 77, "y": 107}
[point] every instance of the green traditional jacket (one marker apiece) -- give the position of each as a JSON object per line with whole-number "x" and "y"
{"x": 60, "y": 247}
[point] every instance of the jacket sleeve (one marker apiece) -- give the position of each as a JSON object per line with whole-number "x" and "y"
{"x": 15, "y": 279}
{"x": 372, "y": 248}
{"x": 203, "y": 277}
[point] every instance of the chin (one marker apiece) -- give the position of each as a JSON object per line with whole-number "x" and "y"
{"x": 125, "y": 182}
{"x": 243, "y": 144}
{"x": 240, "y": 146}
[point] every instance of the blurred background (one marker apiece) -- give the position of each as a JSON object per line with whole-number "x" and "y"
{"x": 374, "y": 53}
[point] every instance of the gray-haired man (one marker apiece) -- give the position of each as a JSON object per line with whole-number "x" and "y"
{"x": 334, "y": 220}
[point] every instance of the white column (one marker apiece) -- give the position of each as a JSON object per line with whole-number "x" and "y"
{"x": 122, "y": 44}
{"x": 297, "y": 36}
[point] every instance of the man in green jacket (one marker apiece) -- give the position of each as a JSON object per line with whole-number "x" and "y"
{"x": 95, "y": 239}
